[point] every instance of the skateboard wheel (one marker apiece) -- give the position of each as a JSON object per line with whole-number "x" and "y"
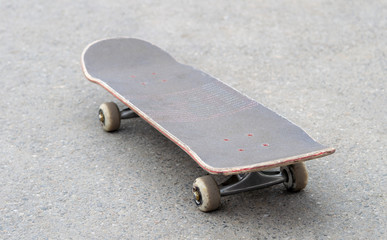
{"x": 206, "y": 193}
{"x": 297, "y": 176}
{"x": 109, "y": 116}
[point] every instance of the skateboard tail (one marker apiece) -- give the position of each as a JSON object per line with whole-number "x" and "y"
{"x": 273, "y": 164}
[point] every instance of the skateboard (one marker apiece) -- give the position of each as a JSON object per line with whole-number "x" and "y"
{"x": 224, "y": 131}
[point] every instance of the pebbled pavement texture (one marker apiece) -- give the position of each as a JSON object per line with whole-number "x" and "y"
{"x": 321, "y": 64}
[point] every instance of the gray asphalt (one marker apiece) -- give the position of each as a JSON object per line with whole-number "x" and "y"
{"x": 321, "y": 64}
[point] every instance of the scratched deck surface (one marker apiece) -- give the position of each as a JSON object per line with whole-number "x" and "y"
{"x": 223, "y": 130}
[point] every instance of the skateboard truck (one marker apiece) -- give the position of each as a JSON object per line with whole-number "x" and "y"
{"x": 207, "y": 193}
{"x": 251, "y": 181}
{"x": 127, "y": 113}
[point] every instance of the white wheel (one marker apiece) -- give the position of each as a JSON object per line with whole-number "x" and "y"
{"x": 109, "y": 116}
{"x": 297, "y": 176}
{"x": 206, "y": 193}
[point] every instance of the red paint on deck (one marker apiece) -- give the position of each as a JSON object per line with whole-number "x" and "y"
{"x": 250, "y": 135}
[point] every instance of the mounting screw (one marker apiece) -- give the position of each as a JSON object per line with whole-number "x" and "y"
{"x": 101, "y": 117}
{"x": 197, "y": 196}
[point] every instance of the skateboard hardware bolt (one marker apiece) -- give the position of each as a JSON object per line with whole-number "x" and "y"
{"x": 197, "y": 196}
{"x": 101, "y": 117}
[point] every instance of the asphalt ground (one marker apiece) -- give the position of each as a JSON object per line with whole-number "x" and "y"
{"x": 321, "y": 64}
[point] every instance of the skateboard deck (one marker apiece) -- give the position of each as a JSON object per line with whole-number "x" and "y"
{"x": 224, "y": 131}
